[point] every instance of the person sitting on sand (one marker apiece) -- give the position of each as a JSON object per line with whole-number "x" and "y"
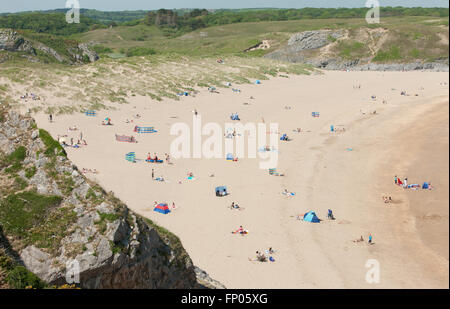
{"x": 387, "y": 199}
{"x": 260, "y": 257}
{"x": 234, "y": 206}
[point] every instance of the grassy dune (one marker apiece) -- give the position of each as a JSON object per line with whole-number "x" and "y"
{"x": 109, "y": 82}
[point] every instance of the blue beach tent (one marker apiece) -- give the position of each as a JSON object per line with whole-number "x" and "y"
{"x": 221, "y": 191}
{"x": 311, "y": 217}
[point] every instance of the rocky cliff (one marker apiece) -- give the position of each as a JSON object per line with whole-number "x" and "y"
{"x": 57, "y": 221}
{"x": 365, "y": 49}
{"x": 69, "y": 51}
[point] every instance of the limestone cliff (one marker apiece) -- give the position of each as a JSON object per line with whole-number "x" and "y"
{"x": 52, "y": 215}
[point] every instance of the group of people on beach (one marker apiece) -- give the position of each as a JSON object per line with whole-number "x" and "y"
{"x": 361, "y": 239}
{"x": 31, "y": 96}
{"x": 405, "y": 185}
{"x": 86, "y": 170}
{"x": 80, "y": 142}
{"x": 264, "y": 257}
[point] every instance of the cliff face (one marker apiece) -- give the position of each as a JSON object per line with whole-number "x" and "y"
{"x": 70, "y": 52}
{"x": 52, "y": 216}
{"x": 365, "y": 49}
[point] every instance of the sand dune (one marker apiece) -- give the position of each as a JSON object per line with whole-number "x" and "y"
{"x": 319, "y": 167}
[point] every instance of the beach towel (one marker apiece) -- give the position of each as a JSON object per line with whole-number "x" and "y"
{"x": 153, "y": 161}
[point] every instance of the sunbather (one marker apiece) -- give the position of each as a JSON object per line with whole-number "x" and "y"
{"x": 359, "y": 240}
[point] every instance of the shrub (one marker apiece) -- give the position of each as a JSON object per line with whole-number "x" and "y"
{"x": 140, "y": 51}
{"x": 52, "y": 145}
{"x": 20, "y": 278}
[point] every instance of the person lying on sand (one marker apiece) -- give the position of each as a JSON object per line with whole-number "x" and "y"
{"x": 286, "y": 192}
{"x": 240, "y": 231}
{"x": 361, "y": 239}
{"x": 74, "y": 128}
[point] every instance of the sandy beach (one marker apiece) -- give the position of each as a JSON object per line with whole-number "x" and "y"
{"x": 346, "y": 171}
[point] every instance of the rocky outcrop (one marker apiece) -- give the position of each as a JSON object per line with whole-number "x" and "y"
{"x": 313, "y": 47}
{"x": 93, "y": 234}
{"x": 12, "y": 41}
{"x": 312, "y": 39}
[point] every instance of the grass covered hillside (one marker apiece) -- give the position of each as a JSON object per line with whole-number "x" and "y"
{"x": 407, "y": 38}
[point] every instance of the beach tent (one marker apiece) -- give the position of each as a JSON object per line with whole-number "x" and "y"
{"x": 425, "y": 185}
{"x": 162, "y": 208}
{"x": 234, "y": 117}
{"x": 311, "y": 217}
{"x": 258, "y": 82}
{"x": 230, "y": 157}
{"x": 221, "y": 191}
{"x": 332, "y": 128}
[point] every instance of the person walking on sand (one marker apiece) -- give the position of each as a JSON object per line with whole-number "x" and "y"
{"x": 370, "y": 239}
{"x": 50, "y": 118}
{"x": 396, "y": 179}
{"x": 153, "y": 174}
{"x": 405, "y": 183}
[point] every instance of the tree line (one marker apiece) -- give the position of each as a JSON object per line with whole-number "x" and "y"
{"x": 53, "y": 22}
